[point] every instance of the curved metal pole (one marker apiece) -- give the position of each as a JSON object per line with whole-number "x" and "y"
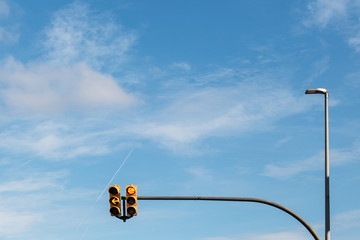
{"x": 240, "y": 199}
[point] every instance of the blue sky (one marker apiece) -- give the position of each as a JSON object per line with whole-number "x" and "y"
{"x": 181, "y": 98}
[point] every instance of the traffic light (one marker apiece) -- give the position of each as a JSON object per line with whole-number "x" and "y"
{"x": 131, "y": 200}
{"x": 115, "y": 203}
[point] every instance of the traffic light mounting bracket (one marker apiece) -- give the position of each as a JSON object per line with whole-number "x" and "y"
{"x": 124, "y": 217}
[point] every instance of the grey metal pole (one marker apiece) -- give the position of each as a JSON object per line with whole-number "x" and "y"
{"x": 327, "y": 172}
{"x": 238, "y": 199}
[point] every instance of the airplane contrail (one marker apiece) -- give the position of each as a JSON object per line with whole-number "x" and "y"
{"x": 84, "y": 233}
{"x": 132, "y": 149}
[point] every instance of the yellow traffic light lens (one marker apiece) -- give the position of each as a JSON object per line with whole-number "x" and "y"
{"x": 114, "y": 200}
{"x": 131, "y": 190}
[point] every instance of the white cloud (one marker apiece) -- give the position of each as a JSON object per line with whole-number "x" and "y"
{"x": 24, "y": 202}
{"x": 220, "y": 238}
{"x": 343, "y": 15}
{"x": 347, "y": 220}
{"x": 8, "y": 36}
{"x": 280, "y": 236}
{"x": 24, "y": 221}
{"x": 282, "y": 141}
{"x": 292, "y": 168}
{"x": 353, "y": 79}
{"x": 218, "y": 111}
{"x": 51, "y": 140}
{"x": 182, "y": 65}
{"x": 322, "y": 12}
{"x": 75, "y": 35}
{"x": 47, "y": 88}
{"x": 223, "y": 73}
{"x": 75, "y": 43}
{"x": 16, "y": 204}
{"x": 265, "y": 236}
{"x": 33, "y": 183}
{"x": 4, "y": 9}
{"x": 200, "y": 173}
{"x": 355, "y": 42}
{"x": 64, "y": 80}
{"x": 9, "y": 33}
{"x": 319, "y": 67}
{"x": 36, "y": 96}
{"x": 32, "y": 200}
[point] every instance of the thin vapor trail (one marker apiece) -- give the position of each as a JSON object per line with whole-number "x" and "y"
{"x": 84, "y": 233}
{"x": 132, "y": 149}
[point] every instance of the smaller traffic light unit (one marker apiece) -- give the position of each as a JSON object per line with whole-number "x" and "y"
{"x": 131, "y": 200}
{"x": 115, "y": 203}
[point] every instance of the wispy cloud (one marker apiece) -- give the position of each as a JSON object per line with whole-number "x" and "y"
{"x": 29, "y": 200}
{"x": 23, "y": 221}
{"x": 57, "y": 141}
{"x": 8, "y": 33}
{"x": 265, "y": 236}
{"x": 182, "y": 121}
{"x": 51, "y": 89}
{"x": 219, "y": 111}
{"x": 182, "y": 66}
{"x": 75, "y": 35}
{"x": 355, "y": 42}
{"x": 4, "y": 9}
{"x": 200, "y": 173}
{"x": 76, "y": 43}
{"x": 68, "y": 78}
{"x": 347, "y": 220}
{"x": 32, "y": 183}
{"x": 293, "y": 168}
{"x": 282, "y": 141}
{"x": 342, "y": 15}
{"x": 353, "y": 79}
{"x": 322, "y": 12}
{"x": 224, "y": 101}
{"x": 319, "y": 67}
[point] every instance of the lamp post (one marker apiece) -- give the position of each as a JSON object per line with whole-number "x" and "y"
{"x": 327, "y": 188}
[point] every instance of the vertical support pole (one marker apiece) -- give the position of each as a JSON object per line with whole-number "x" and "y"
{"x": 327, "y": 172}
{"x": 124, "y": 208}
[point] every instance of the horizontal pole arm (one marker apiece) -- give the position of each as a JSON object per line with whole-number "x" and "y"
{"x": 237, "y": 199}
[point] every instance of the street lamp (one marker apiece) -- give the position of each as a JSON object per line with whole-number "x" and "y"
{"x": 327, "y": 189}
